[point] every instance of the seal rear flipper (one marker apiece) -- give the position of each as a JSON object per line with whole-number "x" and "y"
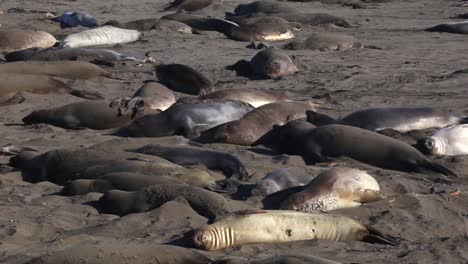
{"x": 242, "y": 68}
{"x": 439, "y": 168}
{"x": 375, "y": 236}
{"x": 318, "y": 119}
{"x": 87, "y": 94}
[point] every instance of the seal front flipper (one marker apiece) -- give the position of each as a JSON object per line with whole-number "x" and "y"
{"x": 242, "y": 68}
{"x": 368, "y": 195}
{"x": 375, "y": 236}
{"x": 439, "y": 168}
{"x": 318, "y": 119}
{"x": 87, "y": 94}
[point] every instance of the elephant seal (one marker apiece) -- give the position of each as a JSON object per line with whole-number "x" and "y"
{"x": 162, "y": 25}
{"x": 325, "y": 41}
{"x": 451, "y": 27}
{"x": 270, "y": 63}
{"x": 74, "y": 19}
{"x": 324, "y": 143}
{"x": 140, "y": 24}
{"x": 278, "y": 259}
{"x": 402, "y": 119}
{"x": 184, "y": 79}
{"x": 156, "y": 96}
{"x": 206, "y": 203}
{"x": 89, "y": 114}
{"x": 12, "y": 84}
{"x": 14, "y": 39}
{"x": 106, "y": 35}
{"x": 266, "y": 28}
{"x": 202, "y": 23}
{"x": 264, "y": 226}
{"x": 63, "y": 69}
{"x": 188, "y": 120}
{"x": 314, "y": 19}
{"x": 187, "y": 5}
{"x": 211, "y": 159}
{"x": 336, "y": 188}
{"x": 450, "y": 141}
{"x": 282, "y": 179}
{"x": 258, "y": 122}
{"x": 255, "y": 98}
{"x": 263, "y": 6}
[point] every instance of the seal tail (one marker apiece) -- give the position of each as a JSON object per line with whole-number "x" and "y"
{"x": 463, "y": 120}
{"x": 375, "y": 236}
{"x": 436, "y": 167}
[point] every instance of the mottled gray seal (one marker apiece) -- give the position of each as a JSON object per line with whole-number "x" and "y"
{"x": 106, "y": 35}
{"x": 208, "y": 204}
{"x": 267, "y": 28}
{"x": 451, "y": 27}
{"x": 156, "y": 96}
{"x": 256, "y": 98}
{"x": 74, "y": 19}
{"x": 324, "y": 143}
{"x": 336, "y": 188}
{"x": 325, "y": 41}
{"x": 14, "y": 39}
{"x": 211, "y": 159}
{"x": 450, "y": 141}
{"x": 184, "y": 79}
{"x": 186, "y": 119}
{"x": 263, "y": 6}
{"x": 262, "y": 226}
{"x": 270, "y": 63}
{"x": 402, "y": 119}
{"x": 187, "y": 5}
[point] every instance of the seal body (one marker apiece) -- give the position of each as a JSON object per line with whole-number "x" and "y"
{"x": 187, "y": 119}
{"x": 336, "y": 188}
{"x": 13, "y": 40}
{"x": 156, "y": 96}
{"x": 326, "y": 41}
{"x": 278, "y": 226}
{"x": 402, "y": 119}
{"x": 140, "y": 24}
{"x": 451, "y": 27}
{"x": 263, "y": 6}
{"x": 188, "y": 5}
{"x": 267, "y": 28}
{"x": 272, "y": 63}
{"x": 202, "y": 23}
{"x": 163, "y": 25}
{"x": 450, "y": 141}
{"x": 184, "y": 79}
{"x": 106, "y": 35}
{"x": 74, "y": 19}
{"x": 256, "y": 98}
{"x": 282, "y": 179}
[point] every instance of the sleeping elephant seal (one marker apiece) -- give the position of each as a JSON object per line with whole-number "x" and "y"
{"x": 89, "y": 114}
{"x": 451, "y": 27}
{"x": 258, "y": 122}
{"x": 201, "y": 23}
{"x": 255, "y": 98}
{"x": 208, "y": 204}
{"x": 336, "y": 188}
{"x": 187, "y": 5}
{"x": 450, "y": 141}
{"x": 14, "y": 39}
{"x": 186, "y": 119}
{"x": 140, "y": 24}
{"x": 270, "y": 63}
{"x": 325, "y": 41}
{"x": 263, "y": 6}
{"x": 156, "y": 96}
{"x": 184, "y": 79}
{"x": 282, "y": 179}
{"x": 402, "y": 119}
{"x": 324, "y": 143}
{"x": 295, "y": 18}
{"x": 74, "y": 19}
{"x": 264, "y": 226}
{"x": 267, "y": 28}
{"x": 106, "y": 35}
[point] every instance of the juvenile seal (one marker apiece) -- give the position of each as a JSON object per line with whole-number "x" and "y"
{"x": 336, "y": 188}
{"x": 324, "y": 143}
{"x": 264, "y": 6}
{"x": 208, "y": 204}
{"x": 188, "y": 120}
{"x": 256, "y": 98}
{"x": 282, "y": 179}
{"x": 184, "y": 79}
{"x": 263, "y": 226}
{"x": 270, "y": 63}
{"x": 402, "y": 119}
{"x": 450, "y": 141}
{"x": 325, "y": 41}
{"x": 106, "y": 35}
{"x": 187, "y": 5}
{"x": 14, "y": 39}
{"x": 267, "y": 28}
{"x": 74, "y": 19}
{"x": 451, "y": 27}
{"x": 89, "y": 114}
{"x": 156, "y": 96}
{"x": 147, "y": 24}
{"x": 230, "y": 165}
{"x": 259, "y": 121}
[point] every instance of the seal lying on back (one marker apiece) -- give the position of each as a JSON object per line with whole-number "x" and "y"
{"x": 267, "y": 28}
{"x": 156, "y": 96}
{"x": 323, "y": 144}
{"x": 256, "y": 98}
{"x": 211, "y": 159}
{"x": 270, "y": 63}
{"x": 451, "y": 27}
{"x": 208, "y": 204}
{"x": 187, "y": 5}
{"x": 74, "y": 19}
{"x": 450, "y": 141}
{"x": 263, "y": 226}
{"x": 184, "y": 79}
{"x": 402, "y": 119}
{"x": 14, "y": 39}
{"x": 186, "y": 119}
{"x": 325, "y": 41}
{"x": 106, "y": 35}
{"x": 336, "y": 188}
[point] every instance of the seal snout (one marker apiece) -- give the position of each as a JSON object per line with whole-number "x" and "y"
{"x": 426, "y": 145}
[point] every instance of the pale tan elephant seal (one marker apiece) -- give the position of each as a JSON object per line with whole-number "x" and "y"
{"x": 15, "y": 39}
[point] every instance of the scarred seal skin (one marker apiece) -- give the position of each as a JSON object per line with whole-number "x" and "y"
{"x": 106, "y": 35}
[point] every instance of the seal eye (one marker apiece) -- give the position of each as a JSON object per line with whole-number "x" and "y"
{"x": 429, "y": 143}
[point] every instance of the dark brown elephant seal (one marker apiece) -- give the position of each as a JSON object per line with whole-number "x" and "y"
{"x": 324, "y": 143}
{"x": 266, "y": 28}
{"x": 256, "y": 98}
{"x": 147, "y": 24}
{"x": 202, "y": 23}
{"x": 258, "y": 122}
{"x": 270, "y": 63}
{"x": 187, "y": 5}
{"x": 156, "y": 96}
{"x": 184, "y": 79}
{"x": 263, "y": 6}
{"x": 89, "y": 114}
{"x": 325, "y": 41}
{"x": 451, "y": 27}
{"x": 208, "y": 204}
{"x": 14, "y": 39}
